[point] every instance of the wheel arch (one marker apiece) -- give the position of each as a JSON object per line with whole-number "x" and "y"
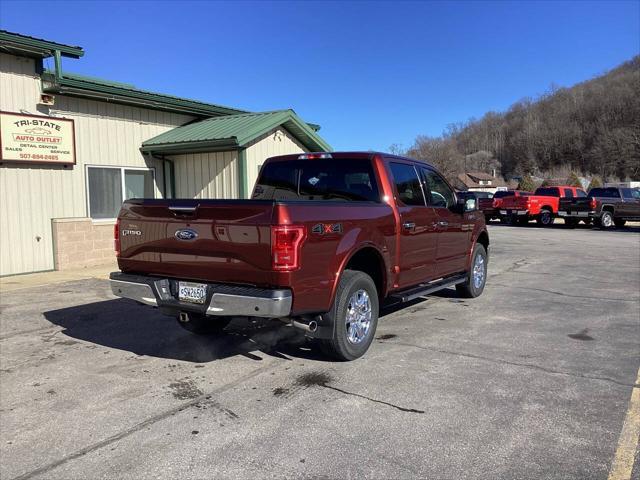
{"x": 368, "y": 259}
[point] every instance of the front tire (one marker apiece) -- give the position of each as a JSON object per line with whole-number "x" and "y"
{"x": 354, "y": 316}
{"x": 200, "y": 324}
{"x": 477, "y": 276}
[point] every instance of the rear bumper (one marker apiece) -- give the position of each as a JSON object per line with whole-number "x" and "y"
{"x": 511, "y": 211}
{"x": 574, "y": 214}
{"x": 221, "y": 300}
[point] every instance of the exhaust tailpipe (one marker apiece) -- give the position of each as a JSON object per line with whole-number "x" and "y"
{"x": 312, "y": 326}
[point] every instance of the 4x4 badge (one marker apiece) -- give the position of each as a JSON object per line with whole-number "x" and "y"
{"x": 326, "y": 228}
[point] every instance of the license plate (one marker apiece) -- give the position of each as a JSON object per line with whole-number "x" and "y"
{"x": 192, "y": 292}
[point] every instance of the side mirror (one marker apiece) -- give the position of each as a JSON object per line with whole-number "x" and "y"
{"x": 470, "y": 205}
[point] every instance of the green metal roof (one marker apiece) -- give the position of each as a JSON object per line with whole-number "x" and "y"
{"x": 89, "y": 87}
{"x": 17, "y": 43}
{"x": 233, "y": 131}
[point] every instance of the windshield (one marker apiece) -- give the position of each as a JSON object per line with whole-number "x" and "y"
{"x": 319, "y": 179}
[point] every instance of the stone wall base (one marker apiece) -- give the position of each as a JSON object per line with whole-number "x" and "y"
{"x": 81, "y": 243}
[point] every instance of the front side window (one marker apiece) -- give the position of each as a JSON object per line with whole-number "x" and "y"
{"x": 581, "y": 193}
{"x": 441, "y": 193}
{"x": 407, "y": 184}
{"x": 631, "y": 193}
{"x": 109, "y": 187}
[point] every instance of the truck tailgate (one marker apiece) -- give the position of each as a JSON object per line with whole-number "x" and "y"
{"x": 575, "y": 204}
{"x": 208, "y": 240}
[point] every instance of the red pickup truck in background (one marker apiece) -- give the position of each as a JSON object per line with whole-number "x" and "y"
{"x": 541, "y": 206}
{"x": 491, "y": 206}
{"x": 324, "y": 239}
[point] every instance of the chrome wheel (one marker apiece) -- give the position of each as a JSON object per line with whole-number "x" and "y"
{"x": 358, "y": 317}
{"x": 478, "y": 272}
{"x": 607, "y": 220}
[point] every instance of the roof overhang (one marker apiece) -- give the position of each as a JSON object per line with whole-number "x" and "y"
{"x": 204, "y": 136}
{"x": 35, "y": 47}
{"x": 86, "y": 87}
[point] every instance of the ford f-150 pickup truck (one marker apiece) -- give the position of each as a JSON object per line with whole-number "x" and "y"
{"x": 606, "y": 207}
{"x": 542, "y": 205}
{"x": 325, "y": 238}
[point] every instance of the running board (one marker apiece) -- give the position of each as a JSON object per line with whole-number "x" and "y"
{"x": 427, "y": 288}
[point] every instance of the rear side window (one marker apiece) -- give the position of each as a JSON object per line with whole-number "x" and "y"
{"x": 604, "y": 193}
{"x": 407, "y": 184}
{"x": 548, "y": 192}
{"x": 568, "y": 193}
{"x": 318, "y": 179}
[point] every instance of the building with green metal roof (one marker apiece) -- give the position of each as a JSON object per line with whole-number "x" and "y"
{"x": 73, "y": 147}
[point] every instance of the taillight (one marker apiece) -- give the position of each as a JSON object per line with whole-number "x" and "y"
{"x": 116, "y": 237}
{"x": 286, "y": 241}
{"x": 593, "y": 203}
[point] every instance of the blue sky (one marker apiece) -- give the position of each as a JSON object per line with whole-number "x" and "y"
{"x": 371, "y": 73}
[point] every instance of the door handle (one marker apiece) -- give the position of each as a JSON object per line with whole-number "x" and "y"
{"x": 409, "y": 225}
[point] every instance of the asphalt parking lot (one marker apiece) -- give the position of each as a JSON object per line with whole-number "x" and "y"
{"x": 531, "y": 380}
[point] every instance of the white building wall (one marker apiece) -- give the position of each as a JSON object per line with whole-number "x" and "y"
{"x": 276, "y": 142}
{"x": 31, "y": 195}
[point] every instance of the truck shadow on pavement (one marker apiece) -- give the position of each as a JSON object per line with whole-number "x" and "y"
{"x": 125, "y": 325}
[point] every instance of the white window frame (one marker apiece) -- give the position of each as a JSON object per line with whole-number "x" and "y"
{"x": 122, "y": 187}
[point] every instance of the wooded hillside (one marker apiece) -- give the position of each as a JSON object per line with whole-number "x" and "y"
{"x": 592, "y": 128}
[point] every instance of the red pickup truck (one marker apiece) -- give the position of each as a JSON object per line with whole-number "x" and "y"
{"x": 542, "y": 205}
{"x": 324, "y": 240}
{"x": 491, "y": 206}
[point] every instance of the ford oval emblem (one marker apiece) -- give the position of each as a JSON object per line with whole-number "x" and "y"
{"x": 186, "y": 234}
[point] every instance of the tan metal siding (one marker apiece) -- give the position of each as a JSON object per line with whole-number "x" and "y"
{"x": 30, "y": 196}
{"x": 206, "y": 175}
{"x": 276, "y": 142}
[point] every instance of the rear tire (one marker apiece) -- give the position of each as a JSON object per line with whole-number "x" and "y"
{"x": 619, "y": 222}
{"x": 477, "y": 275}
{"x": 605, "y": 221}
{"x": 545, "y": 218}
{"x": 354, "y": 316}
{"x": 203, "y": 325}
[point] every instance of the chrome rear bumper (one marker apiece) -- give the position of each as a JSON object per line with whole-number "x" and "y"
{"x": 222, "y": 299}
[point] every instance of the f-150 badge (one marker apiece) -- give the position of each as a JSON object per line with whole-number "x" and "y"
{"x": 326, "y": 228}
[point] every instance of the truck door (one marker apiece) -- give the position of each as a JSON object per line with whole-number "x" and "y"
{"x": 417, "y": 227}
{"x": 630, "y": 206}
{"x": 453, "y": 234}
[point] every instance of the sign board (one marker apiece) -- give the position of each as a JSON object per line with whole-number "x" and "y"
{"x": 36, "y": 139}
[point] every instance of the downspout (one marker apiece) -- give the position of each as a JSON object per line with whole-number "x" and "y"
{"x": 170, "y": 189}
{"x": 243, "y": 188}
{"x": 57, "y": 57}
